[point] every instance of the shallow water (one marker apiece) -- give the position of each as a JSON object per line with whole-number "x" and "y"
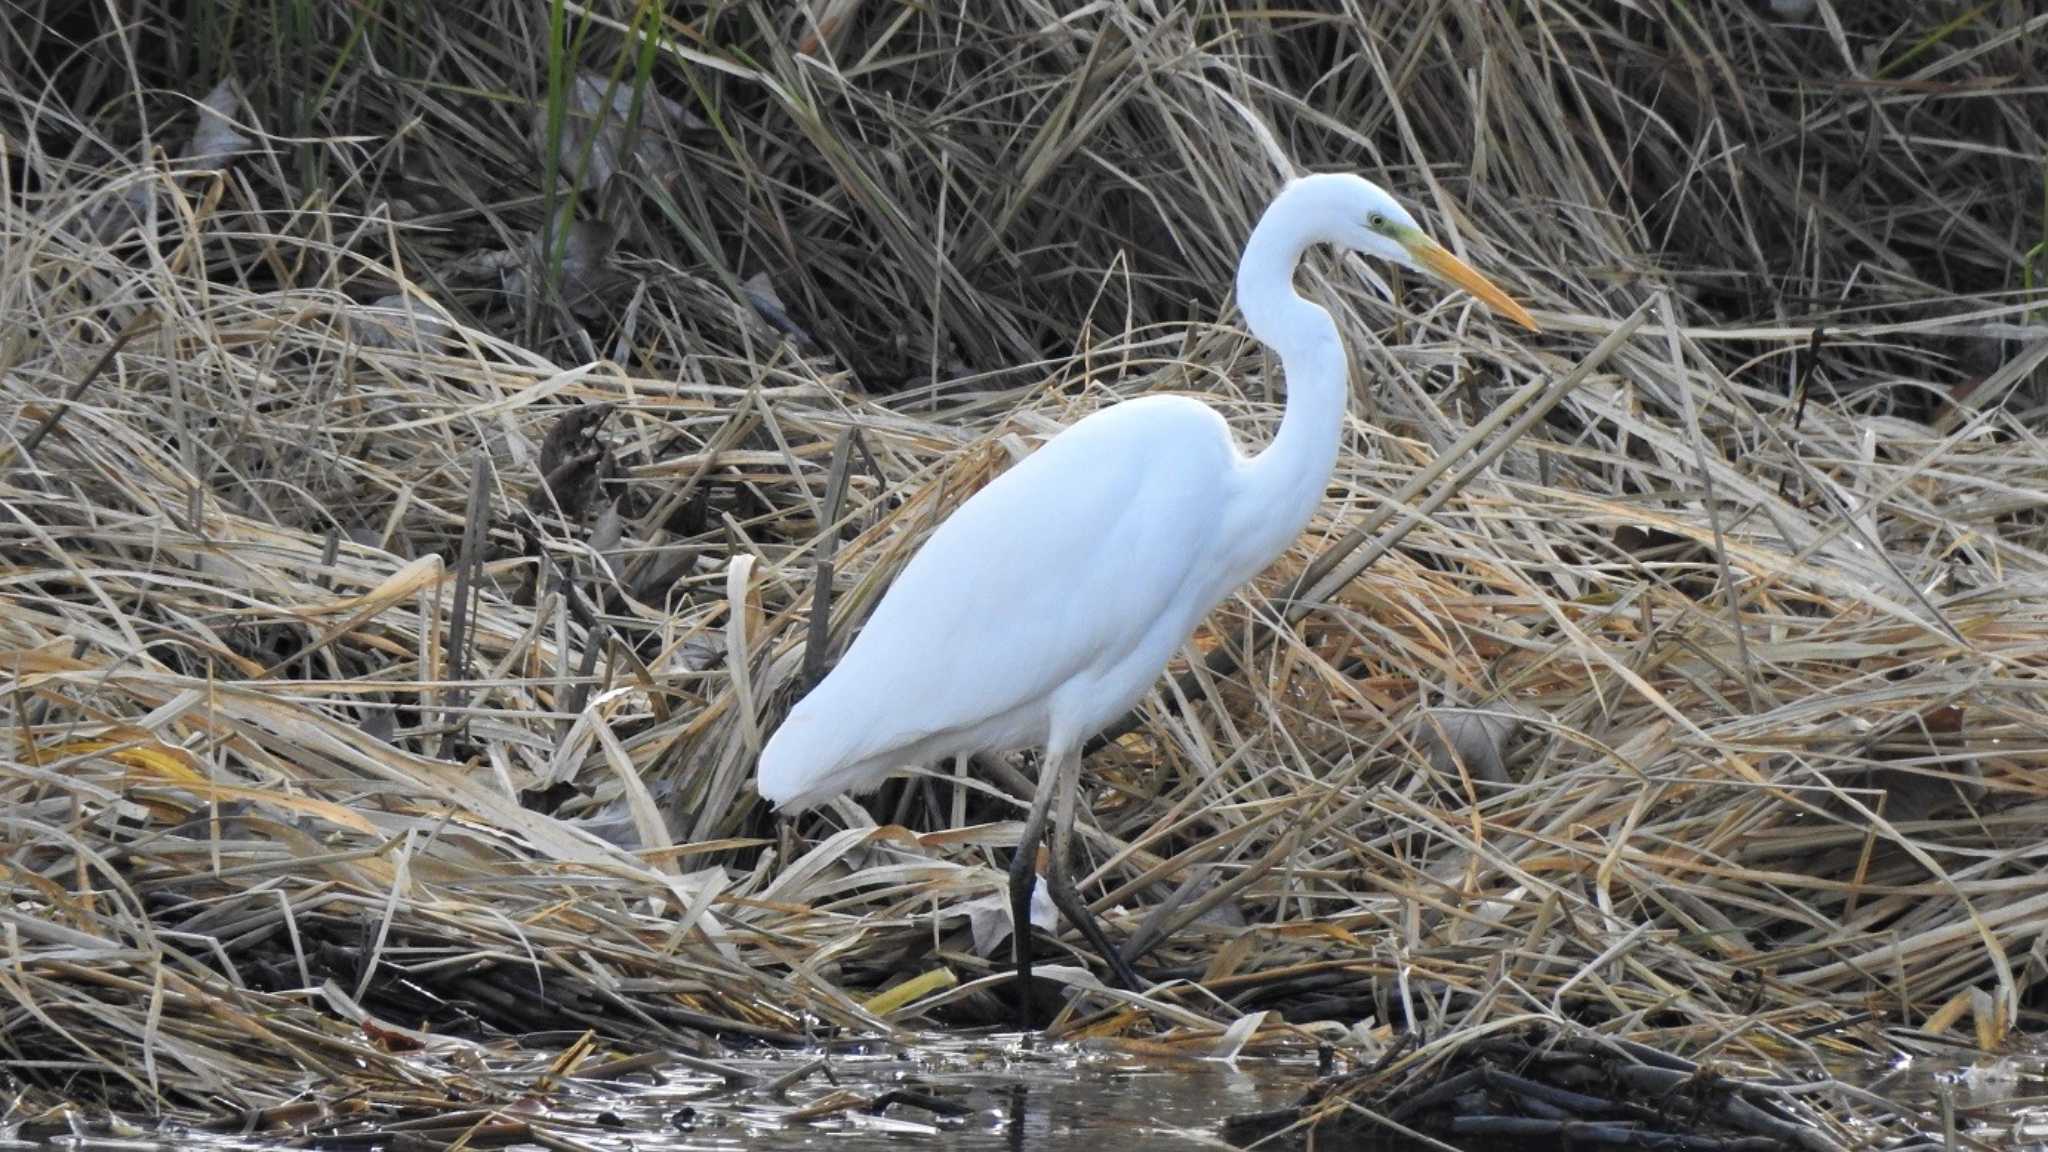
{"x": 1015, "y": 1099}
{"x": 2000, "y": 1100}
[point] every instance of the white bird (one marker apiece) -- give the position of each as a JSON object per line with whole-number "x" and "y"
{"x": 1048, "y": 604}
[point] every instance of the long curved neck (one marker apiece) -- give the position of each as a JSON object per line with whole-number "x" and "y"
{"x": 1286, "y": 482}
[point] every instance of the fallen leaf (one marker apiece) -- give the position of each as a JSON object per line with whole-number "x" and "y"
{"x": 988, "y": 918}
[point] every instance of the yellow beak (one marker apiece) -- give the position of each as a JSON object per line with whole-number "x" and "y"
{"x": 1438, "y": 260}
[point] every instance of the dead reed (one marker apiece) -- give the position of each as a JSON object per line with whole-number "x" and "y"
{"x": 423, "y": 449}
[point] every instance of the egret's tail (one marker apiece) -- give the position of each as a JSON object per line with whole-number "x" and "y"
{"x": 805, "y": 762}
{"x": 779, "y": 776}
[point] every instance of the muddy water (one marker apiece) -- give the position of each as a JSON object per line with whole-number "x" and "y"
{"x": 1063, "y": 1101}
{"x": 1006, "y": 1098}
{"x": 1001, "y": 1096}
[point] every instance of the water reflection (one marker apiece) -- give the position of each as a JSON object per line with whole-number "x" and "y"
{"x": 1018, "y": 1094}
{"x": 1000, "y": 1097}
{"x": 2001, "y": 1101}
{"x": 991, "y": 1097}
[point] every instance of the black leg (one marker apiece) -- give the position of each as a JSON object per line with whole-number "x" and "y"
{"x": 1070, "y": 904}
{"x": 1023, "y": 876}
{"x": 1061, "y": 882}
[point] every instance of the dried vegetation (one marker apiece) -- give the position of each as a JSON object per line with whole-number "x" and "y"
{"x": 426, "y": 450}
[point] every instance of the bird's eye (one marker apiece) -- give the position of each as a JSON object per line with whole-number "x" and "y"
{"x": 1376, "y": 222}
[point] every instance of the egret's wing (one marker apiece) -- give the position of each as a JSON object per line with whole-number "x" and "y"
{"x": 1058, "y": 566}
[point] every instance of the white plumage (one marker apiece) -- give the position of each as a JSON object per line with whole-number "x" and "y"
{"x": 1048, "y": 603}
{"x": 1038, "y": 602}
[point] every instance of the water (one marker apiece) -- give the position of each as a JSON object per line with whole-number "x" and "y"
{"x": 1008, "y": 1099}
{"x": 1056, "y": 1100}
{"x": 2001, "y": 1101}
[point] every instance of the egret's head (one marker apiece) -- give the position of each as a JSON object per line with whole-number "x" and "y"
{"x": 1352, "y": 212}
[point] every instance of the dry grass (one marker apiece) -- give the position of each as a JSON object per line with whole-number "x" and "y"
{"x": 293, "y": 765}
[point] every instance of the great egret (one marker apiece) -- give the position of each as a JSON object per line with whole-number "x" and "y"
{"x": 1049, "y": 602}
